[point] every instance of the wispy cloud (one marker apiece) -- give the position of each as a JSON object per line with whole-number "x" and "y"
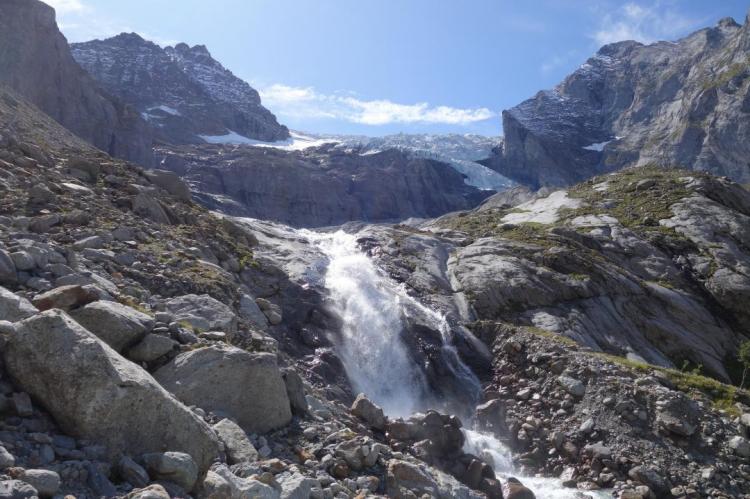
{"x": 306, "y": 102}
{"x": 643, "y": 22}
{"x": 66, "y": 6}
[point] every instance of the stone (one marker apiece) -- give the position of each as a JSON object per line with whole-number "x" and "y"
{"x": 740, "y": 446}
{"x": 213, "y": 378}
{"x": 7, "y": 268}
{"x": 490, "y": 416}
{"x": 16, "y": 489}
{"x": 170, "y": 182}
{"x": 245, "y": 488}
{"x": 237, "y": 444}
{"x": 295, "y": 485}
{"x": 214, "y": 486}
{"x": 295, "y": 390}
{"x": 572, "y": 386}
{"x": 132, "y": 472}
{"x": 6, "y": 458}
{"x": 176, "y": 467}
{"x": 13, "y": 307}
{"x": 65, "y": 297}
{"x": 202, "y": 312}
{"x": 154, "y": 491}
{"x": 23, "y": 260}
{"x": 46, "y": 482}
{"x": 587, "y": 426}
{"x": 151, "y": 348}
{"x": 369, "y": 412}
{"x": 92, "y": 242}
{"x": 270, "y": 310}
{"x": 678, "y": 415}
{"x": 250, "y": 311}
{"x": 147, "y": 206}
{"x": 118, "y": 325}
{"x": 402, "y": 476}
{"x": 651, "y": 477}
{"x": 22, "y": 404}
{"x": 513, "y": 489}
{"x": 106, "y": 399}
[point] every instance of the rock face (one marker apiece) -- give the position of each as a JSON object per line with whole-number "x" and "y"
{"x": 319, "y": 187}
{"x": 246, "y": 387}
{"x": 36, "y": 62}
{"x": 182, "y": 90}
{"x": 106, "y": 398}
{"x": 684, "y": 103}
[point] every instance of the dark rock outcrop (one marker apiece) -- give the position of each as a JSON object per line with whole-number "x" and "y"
{"x": 319, "y": 187}
{"x": 35, "y": 61}
{"x": 682, "y": 103}
{"x": 182, "y": 90}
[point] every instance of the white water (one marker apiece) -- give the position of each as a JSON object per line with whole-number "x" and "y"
{"x": 377, "y": 361}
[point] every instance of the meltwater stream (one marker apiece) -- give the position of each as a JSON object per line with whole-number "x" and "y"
{"x": 377, "y": 362}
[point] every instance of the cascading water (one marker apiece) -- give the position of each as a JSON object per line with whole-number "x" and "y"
{"x": 377, "y": 361}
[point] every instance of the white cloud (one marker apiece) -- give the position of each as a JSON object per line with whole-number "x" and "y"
{"x": 66, "y": 6}
{"x": 644, "y": 23}
{"x": 306, "y": 102}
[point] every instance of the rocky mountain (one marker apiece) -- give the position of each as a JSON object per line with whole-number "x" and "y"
{"x": 182, "y": 91}
{"x": 36, "y": 62}
{"x": 680, "y": 103}
{"x": 319, "y": 186}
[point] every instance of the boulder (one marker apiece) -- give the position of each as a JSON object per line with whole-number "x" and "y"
{"x": 170, "y": 182}
{"x": 13, "y": 307}
{"x": 238, "y": 446}
{"x": 151, "y": 348}
{"x": 155, "y": 491}
{"x": 513, "y": 489}
{"x": 247, "y": 387}
{"x": 245, "y": 488}
{"x": 175, "y": 467}
{"x": 132, "y": 472}
{"x": 46, "y": 482}
{"x": 491, "y": 417}
{"x": 249, "y": 310}
{"x": 651, "y": 477}
{"x": 572, "y": 386}
{"x": 366, "y": 410}
{"x": 740, "y": 446}
{"x": 295, "y": 389}
{"x": 202, "y": 312}
{"x": 403, "y": 477}
{"x": 118, "y": 325}
{"x": 295, "y": 485}
{"x": 65, "y": 297}
{"x": 678, "y": 415}
{"x": 270, "y": 310}
{"x": 106, "y": 398}
{"x": 214, "y": 486}
{"x": 8, "y": 269}
{"x": 16, "y": 489}
{"x": 145, "y": 205}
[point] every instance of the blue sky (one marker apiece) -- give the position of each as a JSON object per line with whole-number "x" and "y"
{"x": 383, "y": 66}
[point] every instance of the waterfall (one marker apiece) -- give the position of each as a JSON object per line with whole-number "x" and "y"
{"x": 377, "y": 361}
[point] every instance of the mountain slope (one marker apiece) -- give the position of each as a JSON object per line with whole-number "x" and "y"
{"x": 182, "y": 91}
{"x": 35, "y": 61}
{"x": 683, "y": 103}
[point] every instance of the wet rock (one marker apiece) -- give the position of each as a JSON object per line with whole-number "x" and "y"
{"x": 106, "y": 398}
{"x": 513, "y": 489}
{"x": 176, "y": 467}
{"x": 490, "y": 416}
{"x": 6, "y": 458}
{"x": 238, "y": 446}
{"x": 368, "y": 411}
{"x": 212, "y": 378}
{"x": 118, "y": 325}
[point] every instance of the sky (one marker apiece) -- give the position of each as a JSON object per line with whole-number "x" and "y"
{"x": 377, "y": 67}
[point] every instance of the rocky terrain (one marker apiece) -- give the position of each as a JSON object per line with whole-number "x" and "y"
{"x": 182, "y": 91}
{"x": 669, "y": 103}
{"x": 318, "y": 186}
{"x": 36, "y": 62}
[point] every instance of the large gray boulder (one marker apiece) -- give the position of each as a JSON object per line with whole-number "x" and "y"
{"x": 238, "y": 446}
{"x": 202, "y": 312}
{"x": 95, "y": 394}
{"x": 13, "y": 307}
{"x": 7, "y": 268}
{"x": 118, "y": 325}
{"x": 247, "y": 387}
{"x": 170, "y": 182}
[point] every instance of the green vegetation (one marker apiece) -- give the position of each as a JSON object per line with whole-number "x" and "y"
{"x": 723, "y": 78}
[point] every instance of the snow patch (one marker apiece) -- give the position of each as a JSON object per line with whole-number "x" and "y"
{"x": 297, "y": 141}
{"x": 598, "y": 146}
{"x": 166, "y": 109}
{"x": 542, "y": 210}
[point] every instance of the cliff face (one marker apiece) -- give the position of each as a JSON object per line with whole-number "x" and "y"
{"x": 35, "y": 61}
{"x": 669, "y": 103}
{"x": 321, "y": 186}
{"x": 181, "y": 90}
